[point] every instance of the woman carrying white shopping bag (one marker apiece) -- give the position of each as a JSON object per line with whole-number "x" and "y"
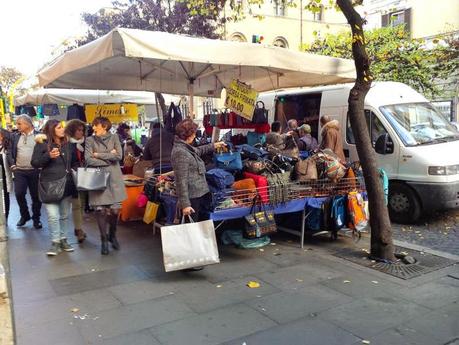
{"x": 193, "y": 193}
{"x": 189, "y": 246}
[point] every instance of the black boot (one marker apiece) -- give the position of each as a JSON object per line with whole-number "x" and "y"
{"x": 104, "y": 247}
{"x": 113, "y": 221}
{"x": 102, "y": 224}
{"x": 112, "y": 238}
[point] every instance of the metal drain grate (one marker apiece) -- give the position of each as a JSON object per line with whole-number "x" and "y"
{"x": 426, "y": 262}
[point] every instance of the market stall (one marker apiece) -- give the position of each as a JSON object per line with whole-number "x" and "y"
{"x": 157, "y": 61}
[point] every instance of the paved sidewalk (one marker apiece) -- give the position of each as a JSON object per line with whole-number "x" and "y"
{"x": 306, "y": 296}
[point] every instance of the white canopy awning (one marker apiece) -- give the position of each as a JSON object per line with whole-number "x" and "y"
{"x": 72, "y": 96}
{"x": 129, "y": 59}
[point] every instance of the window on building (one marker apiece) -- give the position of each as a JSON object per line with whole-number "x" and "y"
{"x": 318, "y": 16}
{"x": 280, "y": 42}
{"x": 279, "y": 7}
{"x": 402, "y": 17}
{"x": 238, "y": 37}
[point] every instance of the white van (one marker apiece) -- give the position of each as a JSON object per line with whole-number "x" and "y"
{"x": 417, "y": 146}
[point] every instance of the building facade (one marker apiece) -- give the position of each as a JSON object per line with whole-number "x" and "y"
{"x": 275, "y": 23}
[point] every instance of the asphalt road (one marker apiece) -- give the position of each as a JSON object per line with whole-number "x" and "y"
{"x": 439, "y": 232}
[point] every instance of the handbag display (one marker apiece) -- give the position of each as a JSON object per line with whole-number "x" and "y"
{"x": 261, "y": 223}
{"x": 260, "y": 114}
{"x": 254, "y": 138}
{"x": 306, "y": 170}
{"x": 333, "y": 169}
{"x": 255, "y": 167}
{"x": 189, "y": 245}
{"x": 90, "y": 179}
{"x": 230, "y": 161}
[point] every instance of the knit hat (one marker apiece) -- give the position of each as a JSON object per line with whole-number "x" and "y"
{"x": 306, "y": 128}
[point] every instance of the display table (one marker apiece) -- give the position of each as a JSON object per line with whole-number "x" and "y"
{"x": 298, "y": 205}
{"x": 134, "y": 187}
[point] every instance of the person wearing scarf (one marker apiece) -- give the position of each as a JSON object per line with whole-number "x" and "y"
{"x": 75, "y": 130}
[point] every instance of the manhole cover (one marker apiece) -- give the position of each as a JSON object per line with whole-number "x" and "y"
{"x": 425, "y": 262}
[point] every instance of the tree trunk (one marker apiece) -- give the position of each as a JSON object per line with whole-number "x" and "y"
{"x": 381, "y": 232}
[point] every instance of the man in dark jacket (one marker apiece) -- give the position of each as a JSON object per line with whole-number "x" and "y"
{"x": 25, "y": 176}
{"x": 152, "y": 148}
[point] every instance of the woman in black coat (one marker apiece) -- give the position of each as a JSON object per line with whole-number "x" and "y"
{"x": 55, "y": 156}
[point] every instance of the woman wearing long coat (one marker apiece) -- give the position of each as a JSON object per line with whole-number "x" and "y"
{"x": 103, "y": 150}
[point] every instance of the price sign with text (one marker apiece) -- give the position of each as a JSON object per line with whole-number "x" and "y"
{"x": 241, "y": 99}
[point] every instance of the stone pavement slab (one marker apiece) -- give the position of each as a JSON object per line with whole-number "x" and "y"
{"x": 44, "y": 311}
{"x": 132, "y": 318}
{"x": 402, "y": 335}
{"x": 442, "y": 324}
{"x": 214, "y": 327}
{"x": 305, "y": 331}
{"x": 97, "y": 280}
{"x": 432, "y": 295}
{"x": 288, "y": 306}
{"x": 207, "y": 297}
{"x": 62, "y": 332}
{"x": 137, "y": 338}
{"x": 370, "y": 316}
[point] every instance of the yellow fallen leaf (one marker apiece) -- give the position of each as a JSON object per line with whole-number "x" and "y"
{"x": 74, "y": 310}
{"x": 253, "y": 285}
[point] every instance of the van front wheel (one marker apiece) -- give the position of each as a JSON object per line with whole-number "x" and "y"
{"x": 404, "y": 205}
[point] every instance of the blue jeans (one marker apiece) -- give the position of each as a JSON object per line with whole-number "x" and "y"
{"x": 58, "y": 218}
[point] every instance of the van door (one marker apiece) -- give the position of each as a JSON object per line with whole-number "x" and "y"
{"x": 389, "y": 161}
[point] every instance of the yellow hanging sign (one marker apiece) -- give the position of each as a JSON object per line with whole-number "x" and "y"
{"x": 116, "y": 113}
{"x": 241, "y": 98}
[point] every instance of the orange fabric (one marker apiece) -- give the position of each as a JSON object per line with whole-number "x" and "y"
{"x": 356, "y": 211}
{"x": 246, "y": 190}
{"x": 129, "y": 209}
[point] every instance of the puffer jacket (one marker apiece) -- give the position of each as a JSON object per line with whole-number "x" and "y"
{"x": 189, "y": 170}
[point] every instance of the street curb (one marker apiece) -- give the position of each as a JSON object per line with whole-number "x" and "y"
{"x": 426, "y": 250}
{"x": 6, "y": 313}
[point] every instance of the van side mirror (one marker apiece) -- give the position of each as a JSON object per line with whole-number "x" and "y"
{"x": 384, "y": 144}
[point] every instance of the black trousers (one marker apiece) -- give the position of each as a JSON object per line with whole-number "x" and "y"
{"x": 23, "y": 180}
{"x": 202, "y": 207}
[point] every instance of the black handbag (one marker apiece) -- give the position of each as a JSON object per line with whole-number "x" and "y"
{"x": 53, "y": 191}
{"x": 260, "y": 114}
{"x": 259, "y": 223}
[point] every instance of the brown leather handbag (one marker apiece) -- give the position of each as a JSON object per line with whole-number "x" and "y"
{"x": 306, "y": 170}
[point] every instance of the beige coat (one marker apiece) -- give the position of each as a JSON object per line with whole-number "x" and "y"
{"x": 331, "y": 139}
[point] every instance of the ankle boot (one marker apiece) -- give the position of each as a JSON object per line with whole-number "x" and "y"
{"x": 104, "y": 246}
{"x": 112, "y": 238}
{"x": 80, "y": 235}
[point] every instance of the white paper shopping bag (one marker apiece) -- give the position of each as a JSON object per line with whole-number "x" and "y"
{"x": 189, "y": 245}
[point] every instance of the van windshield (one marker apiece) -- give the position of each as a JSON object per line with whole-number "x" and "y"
{"x": 419, "y": 124}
